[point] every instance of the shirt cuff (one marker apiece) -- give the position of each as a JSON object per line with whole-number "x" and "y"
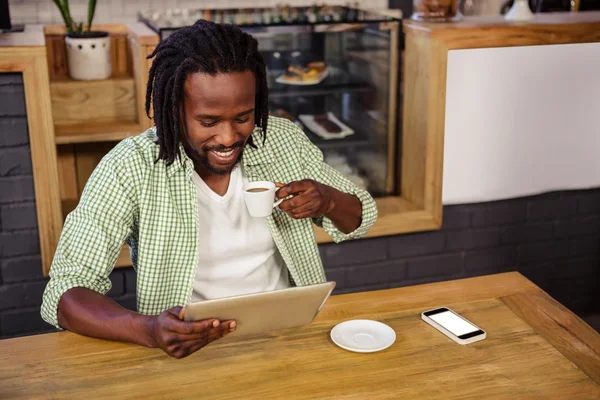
{"x": 369, "y": 216}
{"x": 55, "y": 291}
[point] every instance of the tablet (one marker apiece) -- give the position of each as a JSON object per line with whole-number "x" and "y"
{"x": 260, "y": 313}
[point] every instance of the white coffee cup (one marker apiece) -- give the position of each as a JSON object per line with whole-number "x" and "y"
{"x": 260, "y": 203}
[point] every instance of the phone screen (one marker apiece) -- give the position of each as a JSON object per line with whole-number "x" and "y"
{"x": 453, "y": 323}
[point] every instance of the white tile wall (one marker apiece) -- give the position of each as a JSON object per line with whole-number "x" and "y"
{"x": 116, "y": 11}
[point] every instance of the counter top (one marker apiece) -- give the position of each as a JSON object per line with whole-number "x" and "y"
{"x": 484, "y": 32}
{"x": 33, "y": 35}
{"x": 535, "y": 348}
{"x": 490, "y": 22}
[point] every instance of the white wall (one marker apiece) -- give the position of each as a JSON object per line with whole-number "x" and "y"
{"x": 521, "y": 121}
{"x": 124, "y": 11}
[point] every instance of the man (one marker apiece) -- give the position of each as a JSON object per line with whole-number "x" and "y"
{"x": 174, "y": 195}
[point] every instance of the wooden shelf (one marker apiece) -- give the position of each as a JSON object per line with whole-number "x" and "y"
{"x": 96, "y": 132}
{"x": 124, "y": 260}
{"x": 89, "y": 102}
{"x": 67, "y": 81}
{"x": 68, "y": 205}
{"x": 87, "y": 116}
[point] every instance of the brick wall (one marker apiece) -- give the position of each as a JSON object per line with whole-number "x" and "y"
{"x": 21, "y": 282}
{"x": 552, "y": 239}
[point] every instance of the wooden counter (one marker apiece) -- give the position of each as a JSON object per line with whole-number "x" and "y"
{"x": 483, "y": 32}
{"x": 535, "y": 348}
{"x": 425, "y": 78}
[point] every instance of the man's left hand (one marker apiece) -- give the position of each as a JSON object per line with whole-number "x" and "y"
{"x": 310, "y": 199}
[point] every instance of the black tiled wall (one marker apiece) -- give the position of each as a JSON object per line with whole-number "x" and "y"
{"x": 553, "y": 239}
{"x": 21, "y": 279}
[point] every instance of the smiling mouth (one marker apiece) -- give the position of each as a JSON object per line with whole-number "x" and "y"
{"x": 224, "y": 154}
{"x": 225, "y": 157}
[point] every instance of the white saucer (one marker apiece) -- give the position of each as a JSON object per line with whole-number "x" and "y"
{"x": 363, "y": 336}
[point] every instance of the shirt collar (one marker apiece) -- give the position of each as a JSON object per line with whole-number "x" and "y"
{"x": 180, "y": 162}
{"x": 260, "y": 154}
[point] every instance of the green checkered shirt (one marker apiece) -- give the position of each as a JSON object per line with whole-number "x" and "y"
{"x": 152, "y": 207}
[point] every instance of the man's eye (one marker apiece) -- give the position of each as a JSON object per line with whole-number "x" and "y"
{"x": 242, "y": 121}
{"x": 208, "y": 124}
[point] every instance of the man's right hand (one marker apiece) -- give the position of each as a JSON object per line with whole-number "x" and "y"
{"x": 180, "y": 338}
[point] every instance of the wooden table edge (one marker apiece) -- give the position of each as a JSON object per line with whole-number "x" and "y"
{"x": 560, "y": 327}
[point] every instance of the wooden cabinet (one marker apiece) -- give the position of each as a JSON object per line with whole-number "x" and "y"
{"x": 90, "y": 117}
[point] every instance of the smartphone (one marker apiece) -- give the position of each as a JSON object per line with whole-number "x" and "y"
{"x": 453, "y": 325}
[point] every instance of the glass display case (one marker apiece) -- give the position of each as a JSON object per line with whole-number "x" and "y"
{"x": 331, "y": 70}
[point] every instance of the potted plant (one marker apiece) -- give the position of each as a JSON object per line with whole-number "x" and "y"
{"x": 88, "y": 52}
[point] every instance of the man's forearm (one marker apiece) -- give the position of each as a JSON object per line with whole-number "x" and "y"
{"x": 346, "y": 211}
{"x": 89, "y": 313}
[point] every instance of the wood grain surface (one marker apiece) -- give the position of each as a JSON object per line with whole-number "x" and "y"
{"x": 67, "y": 174}
{"x": 424, "y": 103}
{"x": 483, "y": 32}
{"x": 567, "y": 332}
{"x": 96, "y": 132}
{"x": 87, "y": 158}
{"x": 515, "y": 361}
{"x": 89, "y": 102}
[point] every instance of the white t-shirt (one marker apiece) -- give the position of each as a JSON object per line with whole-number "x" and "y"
{"x": 237, "y": 254}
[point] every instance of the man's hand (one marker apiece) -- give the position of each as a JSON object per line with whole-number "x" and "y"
{"x": 311, "y": 199}
{"x": 180, "y": 338}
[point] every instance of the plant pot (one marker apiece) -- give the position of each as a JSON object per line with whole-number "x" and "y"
{"x": 88, "y": 55}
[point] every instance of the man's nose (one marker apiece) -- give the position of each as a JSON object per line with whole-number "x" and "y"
{"x": 228, "y": 137}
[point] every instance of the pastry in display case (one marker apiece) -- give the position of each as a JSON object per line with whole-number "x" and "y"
{"x": 331, "y": 70}
{"x": 304, "y": 75}
{"x": 436, "y": 10}
{"x": 326, "y": 126}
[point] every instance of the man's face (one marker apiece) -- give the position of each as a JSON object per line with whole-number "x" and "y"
{"x": 218, "y": 113}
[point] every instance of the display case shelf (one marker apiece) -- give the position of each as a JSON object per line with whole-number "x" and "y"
{"x": 258, "y": 20}
{"x": 337, "y": 80}
{"x": 95, "y": 132}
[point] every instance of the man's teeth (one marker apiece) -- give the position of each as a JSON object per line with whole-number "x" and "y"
{"x": 223, "y": 153}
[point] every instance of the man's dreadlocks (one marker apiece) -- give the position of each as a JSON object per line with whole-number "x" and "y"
{"x": 208, "y": 48}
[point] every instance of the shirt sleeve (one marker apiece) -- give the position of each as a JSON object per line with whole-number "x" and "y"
{"x": 92, "y": 236}
{"x": 316, "y": 169}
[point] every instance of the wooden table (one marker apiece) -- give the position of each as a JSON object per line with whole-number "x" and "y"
{"x": 535, "y": 349}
